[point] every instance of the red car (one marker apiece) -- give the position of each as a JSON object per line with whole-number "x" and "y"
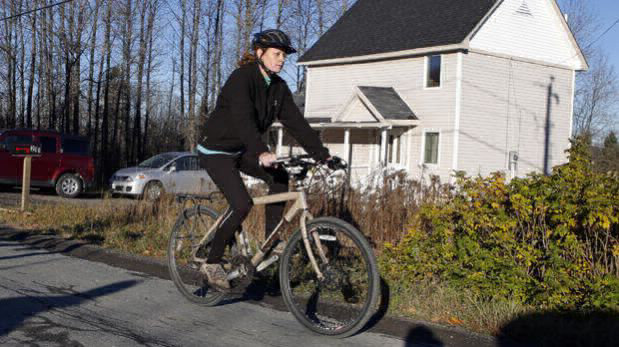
{"x": 65, "y": 162}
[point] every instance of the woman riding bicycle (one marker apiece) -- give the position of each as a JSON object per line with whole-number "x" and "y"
{"x": 253, "y": 97}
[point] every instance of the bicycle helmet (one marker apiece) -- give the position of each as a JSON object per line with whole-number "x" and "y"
{"x": 274, "y": 38}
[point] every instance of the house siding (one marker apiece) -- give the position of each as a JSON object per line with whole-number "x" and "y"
{"x": 504, "y": 108}
{"x": 332, "y": 86}
{"x": 544, "y": 39}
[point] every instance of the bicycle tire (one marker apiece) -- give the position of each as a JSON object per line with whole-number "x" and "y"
{"x": 191, "y": 224}
{"x": 296, "y": 267}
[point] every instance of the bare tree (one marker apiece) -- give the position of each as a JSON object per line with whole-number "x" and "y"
{"x": 193, "y": 73}
{"x": 182, "y": 56}
{"x": 217, "y": 59}
{"x": 79, "y": 7}
{"x": 9, "y": 49}
{"x": 148, "y": 10}
{"x": 153, "y": 7}
{"x": 127, "y": 40}
{"x": 21, "y": 68}
{"x": 596, "y": 97}
{"x": 91, "y": 68}
{"x": 33, "y": 56}
{"x": 137, "y": 120}
{"x": 103, "y": 168}
{"x": 596, "y": 93}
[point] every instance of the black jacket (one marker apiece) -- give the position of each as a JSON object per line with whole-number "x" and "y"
{"x": 245, "y": 110}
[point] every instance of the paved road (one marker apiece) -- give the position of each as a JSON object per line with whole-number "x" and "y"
{"x": 52, "y": 299}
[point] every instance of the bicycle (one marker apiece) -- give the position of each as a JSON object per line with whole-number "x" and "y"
{"x": 327, "y": 274}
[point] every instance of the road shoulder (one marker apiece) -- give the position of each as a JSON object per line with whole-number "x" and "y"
{"x": 405, "y": 329}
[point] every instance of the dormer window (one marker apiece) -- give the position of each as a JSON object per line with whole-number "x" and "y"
{"x": 433, "y": 71}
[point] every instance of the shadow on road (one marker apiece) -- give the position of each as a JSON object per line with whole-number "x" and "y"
{"x": 17, "y": 310}
{"x": 422, "y": 336}
{"x": 562, "y": 328}
{"x": 383, "y": 306}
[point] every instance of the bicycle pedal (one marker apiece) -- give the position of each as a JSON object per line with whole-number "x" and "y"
{"x": 266, "y": 263}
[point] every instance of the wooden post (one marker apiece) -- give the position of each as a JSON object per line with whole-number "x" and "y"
{"x": 25, "y": 187}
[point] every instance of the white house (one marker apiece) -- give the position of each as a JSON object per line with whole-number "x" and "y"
{"x": 434, "y": 86}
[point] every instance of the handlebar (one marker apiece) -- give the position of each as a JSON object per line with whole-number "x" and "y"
{"x": 305, "y": 162}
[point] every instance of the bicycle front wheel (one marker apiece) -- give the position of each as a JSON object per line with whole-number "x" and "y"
{"x": 184, "y": 270}
{"x": 343, "y": 302}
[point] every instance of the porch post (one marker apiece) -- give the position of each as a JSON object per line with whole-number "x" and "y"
{"x": 409, "y": 147}
{"x": 347, "y": 146}
{"x": 383, "y": 146}
{"x": 395, "y": 148}
{"x": 280, "y": 140}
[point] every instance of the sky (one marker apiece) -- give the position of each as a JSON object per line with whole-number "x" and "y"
{"x": 609, "y": 13}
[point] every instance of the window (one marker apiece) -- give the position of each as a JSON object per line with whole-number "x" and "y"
{"x": 19, "y": 139}
{"x": 75, "y": 146}
{"x": 430, "y": 155}
{"x": 433, "y": 73}
{"x": 15, "y": 139}
{"x": 48, "y": 144}
{"x": 189, "y": 163}
{"x": 194, "y": 164}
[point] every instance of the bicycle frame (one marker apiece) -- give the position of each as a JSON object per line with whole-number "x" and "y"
{"x": 299, "y": 206}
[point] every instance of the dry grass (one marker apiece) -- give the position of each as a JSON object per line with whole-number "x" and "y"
{"x": 443, "y": 305}
{"x": 140, "y": 228}
{"x": 382, "y": 210}
{"x": 380, "y": 213}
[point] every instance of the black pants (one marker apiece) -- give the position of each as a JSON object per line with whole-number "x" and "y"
{"x": 225, "y": 171}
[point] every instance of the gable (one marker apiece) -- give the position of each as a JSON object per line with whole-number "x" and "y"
{"x": 356, "y": 111}
{"x": 532, "y": 29}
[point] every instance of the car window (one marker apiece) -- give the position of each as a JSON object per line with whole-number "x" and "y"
{"x": 194, "y": 164}
{"x": 183, "y": 164}
{"x": 157, "y": 161}
{"x": 75, "y": 146}
{"x": 6, "y": 143}
{"x": 18, "y": 139}
{"x": 48, "y": 144}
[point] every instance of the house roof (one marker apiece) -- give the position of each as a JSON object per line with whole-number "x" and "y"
{"x": 382, "y": 26}
{"x": 388, "y": 103}
{"x": 318, "y": 120}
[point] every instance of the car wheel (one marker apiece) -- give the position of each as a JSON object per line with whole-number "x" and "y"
{"x": 153, "y": 191}
{"x": 69, "y": 186}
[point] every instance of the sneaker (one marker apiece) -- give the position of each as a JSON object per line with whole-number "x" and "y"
{"x": 216, "y": 276}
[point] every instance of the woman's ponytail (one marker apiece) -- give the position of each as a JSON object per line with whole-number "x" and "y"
{"x": 247, "y": 58}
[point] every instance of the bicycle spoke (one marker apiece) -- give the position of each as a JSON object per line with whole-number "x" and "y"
{"x": 184, "y": 243}
{"x": 342, "y": 301}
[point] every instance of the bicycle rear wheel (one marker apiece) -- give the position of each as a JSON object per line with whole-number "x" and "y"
{"x": 343, "y": 302}
{"x": 184, "y": 271}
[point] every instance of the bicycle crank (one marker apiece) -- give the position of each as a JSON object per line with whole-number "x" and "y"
{"x": 241, "y": 274}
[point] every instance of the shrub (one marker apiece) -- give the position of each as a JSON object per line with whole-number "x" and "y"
{"x": 541, "y": 240}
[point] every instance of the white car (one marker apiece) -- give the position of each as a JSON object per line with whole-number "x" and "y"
{"x": 171, "y": 172}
